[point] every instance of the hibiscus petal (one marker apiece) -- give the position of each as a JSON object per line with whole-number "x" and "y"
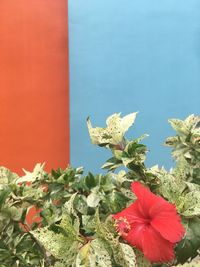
{"x": 166, "y": 220}
{"x": 156, "y": 248}
{"x": 135, "y": 236}
{"x": 131, "y": 213}
{"x": 162, "y": 214}
{"x": 169, "y": 225}
{"x": 145, "y": 197}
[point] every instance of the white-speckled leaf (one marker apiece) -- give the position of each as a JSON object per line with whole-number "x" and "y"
{"x": 6, "y": 176}
{"x": 179, "y": 126}
{"x": 191, "y": 204}
{"x": 93, "y": 254}
{"x": 129, "y": 255}
{"x": 93, "y": 200}
{"x": 114, "y": 132}
{"x": 127, "y": 121}
{"x": 97, "y": 135}
{"x": 101, "y": 255}
{"x": 37, "y": 173}
{"x": 58, "y": 245}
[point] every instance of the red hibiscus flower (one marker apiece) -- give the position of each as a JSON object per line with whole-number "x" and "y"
{"x": 151, "y": 224}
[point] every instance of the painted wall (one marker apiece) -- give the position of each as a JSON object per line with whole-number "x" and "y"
{"x": 129, "y": 56}
{"x": 34, "y": 108}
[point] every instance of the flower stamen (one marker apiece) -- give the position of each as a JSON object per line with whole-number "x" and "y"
{"x": 122, "y": 225}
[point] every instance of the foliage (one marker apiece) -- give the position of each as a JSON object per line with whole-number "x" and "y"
{"x": 73, "y": 225}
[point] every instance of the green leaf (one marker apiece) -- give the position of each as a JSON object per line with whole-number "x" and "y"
{"x": 141, "y": 260}
{"x": 80, "y": 204}
{"x": 90, "y": 180}
{"x": 190, "y": 244}
{"x": 106, "y": 182}
{"x": 135, "y": 153}
{"x": 88, "y": 223}
{"x": 4, "y": 193}
{"x": 16, "y": 213}
{"x": 116, "y": 201}
{"x": 59, "y": 264}
{"x": 112, "y": 164}
{"x": 70, "y": 226}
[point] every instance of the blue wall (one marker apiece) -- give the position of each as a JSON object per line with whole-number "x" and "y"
{"x": 125, "y": 56}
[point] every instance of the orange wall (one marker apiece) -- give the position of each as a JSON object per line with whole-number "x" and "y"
{"x": 34, "y": 87}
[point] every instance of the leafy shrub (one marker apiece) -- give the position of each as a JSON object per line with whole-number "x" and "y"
{"x": 71, "y": 213}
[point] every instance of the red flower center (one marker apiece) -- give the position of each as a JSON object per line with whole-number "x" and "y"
{"x": 123, "y": 226}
